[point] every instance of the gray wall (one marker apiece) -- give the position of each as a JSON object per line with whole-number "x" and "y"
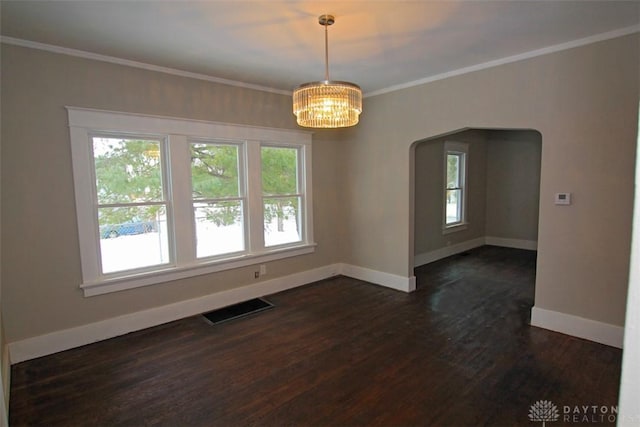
{"x": 513, "y": 184}
{"x": 40, "y": 257}
{"x": 584, "y": 102}
{"x": 429, "y": 184}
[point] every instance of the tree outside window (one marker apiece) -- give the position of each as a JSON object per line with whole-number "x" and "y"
{"x": 131, "y": 202}
{"x": 281, "y": 195}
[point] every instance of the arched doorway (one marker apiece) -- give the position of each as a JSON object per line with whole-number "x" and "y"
{"x": 501, "y": 198}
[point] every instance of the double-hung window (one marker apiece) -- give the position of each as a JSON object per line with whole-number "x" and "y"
{"x": 281, "y": 195}
{"x": 219, "y": 201}
{"x": 131, "y": 202}
{"x": 160, "y": 199}
{"x": 455, "y": 191}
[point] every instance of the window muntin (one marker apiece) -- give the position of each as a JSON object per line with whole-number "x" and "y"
{"x": 131, "y": 204}
{"x": 455, "y": 184}
{"x": 218, "y": 198}
{"x": 281, "y": 195}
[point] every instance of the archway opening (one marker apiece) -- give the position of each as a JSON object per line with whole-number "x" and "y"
{"x": 475, "y": 204}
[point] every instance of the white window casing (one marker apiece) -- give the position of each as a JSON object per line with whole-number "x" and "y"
{"x": 175, "y": 135}
{"x": 461, "y": 150}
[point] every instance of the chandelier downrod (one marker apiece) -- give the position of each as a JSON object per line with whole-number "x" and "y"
{"x": 325, "y": 21}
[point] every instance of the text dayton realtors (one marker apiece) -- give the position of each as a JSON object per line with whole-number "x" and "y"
{"x": 589, "y": 414}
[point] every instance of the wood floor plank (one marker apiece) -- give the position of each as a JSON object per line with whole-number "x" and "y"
{"x": 459, "y": 351}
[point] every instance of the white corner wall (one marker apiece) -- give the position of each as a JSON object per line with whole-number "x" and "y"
{"x": 629, "y": 411}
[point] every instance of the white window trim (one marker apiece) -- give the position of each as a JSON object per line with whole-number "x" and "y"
{"x": 177, "y": 131}
{"x": 455, "y": 148}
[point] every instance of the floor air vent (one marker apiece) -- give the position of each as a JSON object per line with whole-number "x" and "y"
{"x": 236, "y": 311}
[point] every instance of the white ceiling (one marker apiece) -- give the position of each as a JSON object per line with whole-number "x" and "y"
{"x": 279, "y": 44}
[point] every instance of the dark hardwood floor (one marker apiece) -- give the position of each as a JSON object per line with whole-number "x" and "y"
{"x": 458, "y": 351}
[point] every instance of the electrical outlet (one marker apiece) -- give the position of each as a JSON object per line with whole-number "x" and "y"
{"x": 256, "y": 274}
{"x": 263, "y": 269}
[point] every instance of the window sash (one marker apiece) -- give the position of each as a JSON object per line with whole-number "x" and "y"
{"x": 210, "y": 247}
{"x": 239, "y": 153}
{"x": 457, "y": 179}
{"x": 456, "y": 216}
{"x": 151, "y": 253}
{"x": 240, "y": 197}
{"x": 297, "y": 174}
{"x": 272, "y": 240}
{"x": 162, "y": 167}
{"x": 130, "y": 227}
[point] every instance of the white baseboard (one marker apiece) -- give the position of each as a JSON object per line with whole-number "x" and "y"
{"x": 54, "y": 342}
{"x": 6, "y": 386}
{"x": 580, "y": 327}
{"x": 399, "y": 283}
{"x": 6, "y": 375}
{"x": 447, "y": 251}
{"x": 531, "y": 245}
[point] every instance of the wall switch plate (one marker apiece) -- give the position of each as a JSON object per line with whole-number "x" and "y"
{"x": 563, "y": 198}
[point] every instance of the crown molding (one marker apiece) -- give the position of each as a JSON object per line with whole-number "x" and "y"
{"x": 514, "y": 58}
{"x": 502, "y": 61}
{"x": 127, "y": 62}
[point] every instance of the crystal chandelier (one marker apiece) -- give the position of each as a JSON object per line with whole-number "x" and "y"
{"x": 327, "y": 104}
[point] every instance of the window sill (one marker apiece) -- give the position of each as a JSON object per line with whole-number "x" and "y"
{"x": 105, "y": 286}
{"x": 455, "y": 228}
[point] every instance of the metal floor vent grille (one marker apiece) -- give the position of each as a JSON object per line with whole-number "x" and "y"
{"x": 237, "y": 311}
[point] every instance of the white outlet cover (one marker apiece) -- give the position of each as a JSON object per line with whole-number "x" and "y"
{"x": 563, "y": 199}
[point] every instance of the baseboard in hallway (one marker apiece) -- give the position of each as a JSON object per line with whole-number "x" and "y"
{"x": 447, "y": 251}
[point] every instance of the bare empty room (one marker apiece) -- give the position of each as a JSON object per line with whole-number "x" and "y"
{"x": 392, "y": 213}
